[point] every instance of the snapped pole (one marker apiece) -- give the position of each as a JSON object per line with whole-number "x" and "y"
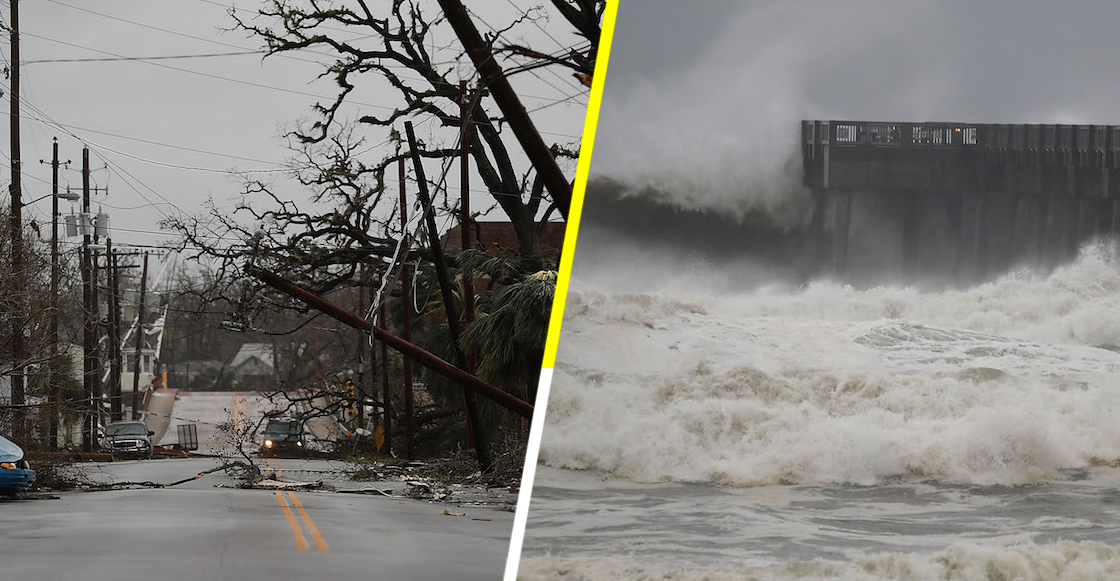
{"x": 417, "y": 353}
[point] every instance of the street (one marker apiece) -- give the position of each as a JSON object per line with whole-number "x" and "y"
{"x": 197, "y": 531}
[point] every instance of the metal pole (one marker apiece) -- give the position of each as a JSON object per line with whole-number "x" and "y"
{"x": 406, "y": 331}
{"x": 18, "y": 312}
{"x": 139, "y": 341}
{"x": 481, "y": 450}
{"x": 417, "y": 353}
{"x": 52, "y": 381}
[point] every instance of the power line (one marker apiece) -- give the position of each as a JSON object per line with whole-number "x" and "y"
{"x": 161, "y": 144}
{"x": 143, "y": 58}
{"x": 167, "y": 31}
{"x": 202, "y": 74}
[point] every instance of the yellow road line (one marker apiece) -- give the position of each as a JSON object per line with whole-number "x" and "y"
{"x": 315, "y": 534}
{"x": 301, "y": 542}
{"x": 271, "y": 464}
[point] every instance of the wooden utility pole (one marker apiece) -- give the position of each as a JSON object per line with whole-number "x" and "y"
{"x": 406, "y": 331}
{"x": 464, "y": 221}
{"x": 52, "y": 379}
{"x": 88, "y": 307}
{"x": 481, "y": 450}
{"x": 510, "y": 104}
{"x": 95, "y": 301}
{"x": 19, "y": 311}
{"x": 363, "y": 361}
{"x": 114, "y": 334}
{"x": 465, "y": 209}
{"x": 386, "y": 399}
{"x": 139, "y": 341}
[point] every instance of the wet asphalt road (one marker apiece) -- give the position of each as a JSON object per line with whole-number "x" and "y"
{"x": 197, "y": 531}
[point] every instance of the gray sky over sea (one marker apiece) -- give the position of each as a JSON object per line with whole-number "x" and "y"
{"x": 233, "y": 109}
{"x": 704, "y": 97}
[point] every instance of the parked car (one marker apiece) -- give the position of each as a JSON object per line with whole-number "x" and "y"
{"x": 128, "y": 438}
{"x": 282, "y": 435}
{"x": 15, "y": 473}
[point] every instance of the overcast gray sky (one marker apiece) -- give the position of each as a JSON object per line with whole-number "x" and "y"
{"x": 704, "y": 98}
{"x": 239, "y": 124}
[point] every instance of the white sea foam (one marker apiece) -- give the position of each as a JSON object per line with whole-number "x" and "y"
{"x": 1061, "y": 561}
{"x": 1003, "y": 383}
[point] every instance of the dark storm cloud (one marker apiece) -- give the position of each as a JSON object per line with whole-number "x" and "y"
{"x": 683, "y": 29}
{"x": 702, "y": 101}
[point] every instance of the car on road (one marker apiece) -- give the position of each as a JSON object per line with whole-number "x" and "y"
{"x": 15, "y": 473}
{"x": 129, "y": 439}
{"x": 282, "y": 435}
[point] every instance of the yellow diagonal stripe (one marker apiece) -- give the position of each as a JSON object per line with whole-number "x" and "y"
{"x": 301, "y": 543}
{"x": 315, "y": 534}
{"x": 579, "y": 187}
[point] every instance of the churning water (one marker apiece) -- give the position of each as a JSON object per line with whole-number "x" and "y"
{"x": 830, "y": 432}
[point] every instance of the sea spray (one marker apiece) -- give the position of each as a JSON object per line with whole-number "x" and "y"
{"x": 1003, "y": 383}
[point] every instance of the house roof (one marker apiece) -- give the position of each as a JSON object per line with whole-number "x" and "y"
{"x": 262, "y": 351}
{"x": 500, "y": 238}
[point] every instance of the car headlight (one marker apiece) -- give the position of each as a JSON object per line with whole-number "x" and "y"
{"x": 300, "y": 444}
{"x": 7, "y": 465}
{"x": 268, "y": 443}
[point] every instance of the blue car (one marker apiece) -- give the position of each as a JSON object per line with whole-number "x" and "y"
{"x": 15, "y": 473}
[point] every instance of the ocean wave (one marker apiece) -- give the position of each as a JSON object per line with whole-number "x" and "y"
{"x": 1060, "y": 561}
{"x": 1003, "y": 383}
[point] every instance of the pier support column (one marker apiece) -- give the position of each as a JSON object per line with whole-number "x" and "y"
{"x": 1114, "y": 207}
{"x": 815, "y": 236}
{"x": 841, "y": 229}
{"x": 1015, "y": 202}
{"x": 980, "y": 234}
{"x": 908, "y": 204}
{"x": 1071, "y": 216}
{"x": 1040, "y": 254}
{"x": 954, "y": 219}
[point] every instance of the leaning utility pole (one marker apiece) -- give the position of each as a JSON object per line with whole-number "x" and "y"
{"x": 139, "y": 341}
{"x": 510, "y": 104}
{"x": 473, "y": 419}
{"x": 89, "y": 366}
{"x": 420, "y": 355}
{"x": 18, "y": 313}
